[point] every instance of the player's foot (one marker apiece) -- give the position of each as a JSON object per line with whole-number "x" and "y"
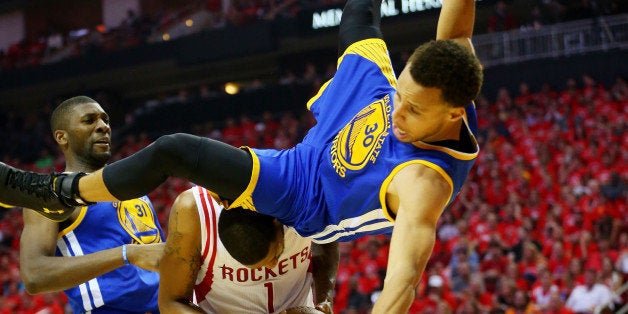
{"x": 34, "y": 191}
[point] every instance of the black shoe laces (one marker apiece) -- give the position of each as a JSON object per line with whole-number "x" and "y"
{"x": 31, "y": 183}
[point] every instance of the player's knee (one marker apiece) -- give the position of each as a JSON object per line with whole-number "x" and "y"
{"x": 168, "y": 147}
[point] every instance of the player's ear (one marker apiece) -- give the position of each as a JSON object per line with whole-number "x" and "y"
{"x": 61, "y": 137}
{"x": 278, "y": 227}
{"x": 456, "y": 113}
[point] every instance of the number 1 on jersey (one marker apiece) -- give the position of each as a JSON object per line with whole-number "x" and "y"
{"x": 269, "y": 289}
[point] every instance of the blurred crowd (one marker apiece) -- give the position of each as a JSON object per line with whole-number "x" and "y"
{"x": 54, "y": 45}
{"x": 541, "y": 225}
{"x": 135, "y": 29}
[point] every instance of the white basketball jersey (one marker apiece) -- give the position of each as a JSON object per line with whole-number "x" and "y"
{"x": 223, "y": 285}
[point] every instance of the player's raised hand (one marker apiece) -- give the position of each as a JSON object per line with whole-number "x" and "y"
{"x": 146, "y": 256}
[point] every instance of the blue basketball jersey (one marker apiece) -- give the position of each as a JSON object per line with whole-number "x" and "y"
{"x": 105, "y": 225}
{"x": 332, "y": 186}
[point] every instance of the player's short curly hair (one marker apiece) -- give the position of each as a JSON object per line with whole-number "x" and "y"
{"x": 60, "y": 115}
{"x": 246, "y": 235}
{"x": 450, "y": 67}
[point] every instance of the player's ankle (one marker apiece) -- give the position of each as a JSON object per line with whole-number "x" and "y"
{"x": 66, "y": 186}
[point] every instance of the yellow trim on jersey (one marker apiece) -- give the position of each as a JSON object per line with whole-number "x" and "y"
{"x": 318, "y": 95}
{"x": 76, "y": 222}
{"x": 372, "y": 49}
{"x": 217, "y": 198}
{"x": 245, "y": 200}
{"x": 6, "y": 205}
{"x": 386, "y": 183}
{"x": 454, "y": 153}
{"x": 466, "y": 122}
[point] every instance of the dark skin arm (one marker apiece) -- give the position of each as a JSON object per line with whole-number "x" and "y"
{"x": 43, "y": 272}
{"x": 182, "y": 257}
{"x": 325, "y": 258}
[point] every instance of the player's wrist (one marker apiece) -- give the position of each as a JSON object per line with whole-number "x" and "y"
{"x": 125, "y": 255}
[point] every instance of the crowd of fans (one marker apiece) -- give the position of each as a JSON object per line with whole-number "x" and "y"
{"x": 541, "y": 225}
{"x": 532, "y": 14}
{"x": 135, "y": 29}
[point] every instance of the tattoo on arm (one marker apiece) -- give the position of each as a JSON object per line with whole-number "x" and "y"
{"x": 176, "y": 241}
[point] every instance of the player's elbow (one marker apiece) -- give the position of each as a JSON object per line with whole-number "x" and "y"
{"x": 32, "y": 281}
{"x": 38, "y": 281}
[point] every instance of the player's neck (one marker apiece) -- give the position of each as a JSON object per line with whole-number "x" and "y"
{"x": 450, "y": 132}
{"x": 75, "y": 165}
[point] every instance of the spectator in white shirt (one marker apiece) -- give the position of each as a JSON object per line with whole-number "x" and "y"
{"x": 541, "y": 293}
{"x": 587, "y": 297}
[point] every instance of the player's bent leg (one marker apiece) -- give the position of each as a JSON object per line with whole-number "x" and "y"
{"x": 219, "y": 167}
{"x": 222, "y": 168}
{"x": 360, "y": 20}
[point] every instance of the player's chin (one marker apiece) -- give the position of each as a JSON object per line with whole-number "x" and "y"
{"x": 302, "y": 310}
{"x": 404, "y": 138}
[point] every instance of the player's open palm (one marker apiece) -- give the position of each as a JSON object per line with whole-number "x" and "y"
{"x": 146, "y": 256}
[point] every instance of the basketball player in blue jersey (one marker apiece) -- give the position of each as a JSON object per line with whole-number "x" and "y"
{"x": 105, "y": 256}
{"x": 386, "y": 157}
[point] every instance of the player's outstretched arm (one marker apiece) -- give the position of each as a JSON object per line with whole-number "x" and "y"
{"x": 456, "y": 21}
{"x": 182, "y": 257}
{"x": 325, "y": 260}
{"x": 43, "y": 272}
{"x": 422, "y": 195}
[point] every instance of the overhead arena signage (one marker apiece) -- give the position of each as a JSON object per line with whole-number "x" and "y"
{"x": 327, "y": 18}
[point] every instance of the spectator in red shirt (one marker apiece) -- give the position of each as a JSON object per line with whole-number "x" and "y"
{"x": 524, "y": 96}
{"x": 576, "y": 270}
{"x": 574, "y": 225}
{"x": 232, "y": 133}
{"x": 346, "y": 270}
{"x": 513, "y": 272}
{"x": 558, "y": 263}
{"x": 493, "y": 265}
{"x": 242, "y": 12}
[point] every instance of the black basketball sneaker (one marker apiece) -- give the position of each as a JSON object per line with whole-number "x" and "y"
{"x": 47, "y": 194}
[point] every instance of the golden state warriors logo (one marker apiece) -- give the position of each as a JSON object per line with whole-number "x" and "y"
{"x": 361, "y": 139}
{"x": 137, "y": 218}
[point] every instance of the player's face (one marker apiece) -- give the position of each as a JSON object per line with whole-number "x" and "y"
{"x": 89, "y": 134}
{"x": 419, "y": 112}
{"x": 275, "y": 250}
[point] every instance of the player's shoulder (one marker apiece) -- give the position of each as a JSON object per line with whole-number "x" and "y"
{"x": 420, "y": 172}
{"x": 185, "y": 201}
{"x": 198, "y": 196}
